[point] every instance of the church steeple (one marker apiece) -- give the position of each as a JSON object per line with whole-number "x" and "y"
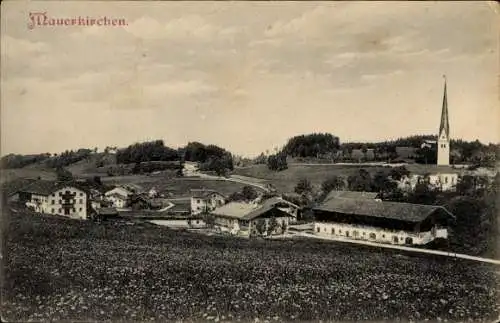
{"x": 443, "y": 153}
{"x": 444, "y": 128}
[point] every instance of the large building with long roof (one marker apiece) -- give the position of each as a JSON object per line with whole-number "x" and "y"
{"x": 380, "y": 221}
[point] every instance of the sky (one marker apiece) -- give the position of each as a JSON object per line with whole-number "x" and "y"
{"x": 245, "y": 75}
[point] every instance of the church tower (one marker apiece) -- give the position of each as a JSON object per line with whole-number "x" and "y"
{"x": 443, "y": 144}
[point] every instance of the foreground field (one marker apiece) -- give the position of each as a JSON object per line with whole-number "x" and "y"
{"x": 60, "y": 269}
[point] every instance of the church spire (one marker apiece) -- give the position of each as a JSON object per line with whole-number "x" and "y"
{"x": 444, "y": 127}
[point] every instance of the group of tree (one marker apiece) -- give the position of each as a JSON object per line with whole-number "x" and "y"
{"x": 277, "y": 162}
{"x": 20, "y": 161}
{"x": 68, "y": 157}
{"x": 247, "y": 194}
{"x": 209, "y": 157}
{"x": 146, "y": 152}
{"x": 311, "y": 145}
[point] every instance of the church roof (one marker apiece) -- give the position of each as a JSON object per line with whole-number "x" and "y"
{"x": 444, "y": 127}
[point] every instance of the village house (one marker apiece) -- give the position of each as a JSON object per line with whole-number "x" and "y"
{"x": 119, "y": 196}
{"x": 205, "y": 201}
{"x": 440, "y": 181}
{"x": 244, "y": 218}
{"x": 50, "y": 197}
{"x": 381, "y": 221}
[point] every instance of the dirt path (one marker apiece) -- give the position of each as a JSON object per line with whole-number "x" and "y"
{"x": 380, "y": 245}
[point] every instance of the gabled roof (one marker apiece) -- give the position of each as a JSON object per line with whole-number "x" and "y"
{"x": 351, "y": 194}
{"x": 203, "y": 193}
{"x": 278, "y": 201}
{"x": 119, "y": 191}
{"x": 243, "y": 211}
{"x": 381, "y": 209}
{"x": 43, "y": 187}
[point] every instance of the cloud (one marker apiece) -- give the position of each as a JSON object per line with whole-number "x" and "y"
{"x": 189, "y": 27}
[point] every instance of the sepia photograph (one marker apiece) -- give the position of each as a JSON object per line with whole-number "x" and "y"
{"x": 250, "y": 161}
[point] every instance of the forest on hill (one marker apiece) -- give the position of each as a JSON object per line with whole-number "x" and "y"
{"x": 418, "y": 148}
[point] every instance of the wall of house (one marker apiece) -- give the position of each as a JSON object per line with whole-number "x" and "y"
{"x": 118, "y": 201}
{"x": 445, "y": 182}
{"x": 378, "y": 235}
{"x": 200, "y": 204}
{"x": 253, "y": 224}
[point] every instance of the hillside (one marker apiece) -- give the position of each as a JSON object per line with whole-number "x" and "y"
{"x": 142, "y": 272}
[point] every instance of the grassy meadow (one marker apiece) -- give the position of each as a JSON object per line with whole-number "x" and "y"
{"x": 61, "y": 269}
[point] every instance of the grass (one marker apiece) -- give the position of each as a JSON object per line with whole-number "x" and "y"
{"x": 60, "y": 269}
{"x": 8, "y": 175}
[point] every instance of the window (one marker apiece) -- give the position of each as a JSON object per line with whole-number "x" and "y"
{"x": 383, "y": 236}
{"x": 409, "y": 240}
{"x": 198, "y": 201}
{"x": 333, "y": 230}
{"x": 197, "y": 222}
{"x": 60, "y": 193}
{"x": 373, "y": 236}
{"x": 73, "y": 209}
{"x": 81, "y": 194}
{"x": 81, "y": 201}
{"x": 60, "y": 201}
{"x": 53, "y": 194}
{"x": 347, "y": 233}
{"x": 59, "y": 211}
{"x": 53, "y": 202}
{"x": 52, "y": 211}
{"x": 395, "y": 239}
{"x": 317, "y": 229}
{"x": 446, "y": 180}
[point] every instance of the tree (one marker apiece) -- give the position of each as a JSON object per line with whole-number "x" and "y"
{"x": 360, "y": 182}
{"x": 277, "y": 162}
{"x": 423, "y": 193}
{"x": 397, "y": 173}
{"x": 303, "y": 186}
{"x": 260, "y": 227}
{"x": 273, "y": 225}
{"x": 209, "y": 219}
{"x": 97, "y": 180}
{"x": 333, "y": 183}
{"x": 249, "y": 193}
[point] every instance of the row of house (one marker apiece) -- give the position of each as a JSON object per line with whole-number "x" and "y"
{"x": 343, "y": 214}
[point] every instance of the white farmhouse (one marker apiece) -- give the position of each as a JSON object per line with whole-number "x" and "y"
{"x": 243, "y": 219}
{"x": 49, "y": 197}
{"x": 119, "y": 197}
{"x": 205, "y": 200}
{"x": 380, "y": 221}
